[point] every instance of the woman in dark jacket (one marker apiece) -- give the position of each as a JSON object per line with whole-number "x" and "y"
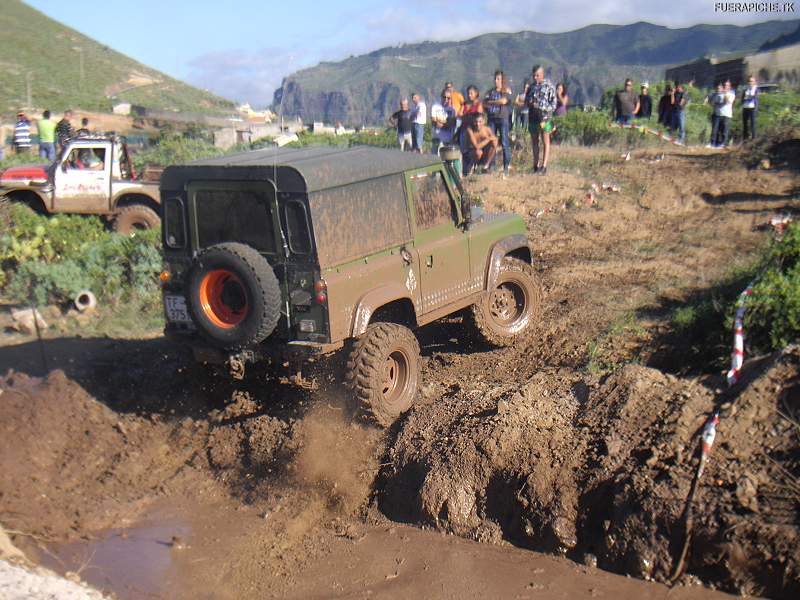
{"x": 665, "y": 108}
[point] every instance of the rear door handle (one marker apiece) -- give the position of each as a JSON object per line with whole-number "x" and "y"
{"x": 429, "y": 261}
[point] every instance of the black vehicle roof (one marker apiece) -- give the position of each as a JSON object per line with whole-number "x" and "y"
{"x": 317, "y": 167}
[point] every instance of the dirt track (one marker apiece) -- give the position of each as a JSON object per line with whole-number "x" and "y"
{"x": 264, "y": 484}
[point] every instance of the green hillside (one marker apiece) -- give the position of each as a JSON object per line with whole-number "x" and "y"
{"x": 366, "y": 88}
{"x": 38, "y": 51}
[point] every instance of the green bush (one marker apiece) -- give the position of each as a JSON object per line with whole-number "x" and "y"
{"x": 13, "y": 160}
{"x": 175, "y": 149}
{"x": 49, "y": 260}
{"x": 772, "y": 319}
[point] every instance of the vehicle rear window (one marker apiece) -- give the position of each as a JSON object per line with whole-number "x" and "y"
{"x": 174, "y": 223}
{"x": 431, "y": 200}
{"x": 235, "y": 215}
{"x": 297, "y": 227}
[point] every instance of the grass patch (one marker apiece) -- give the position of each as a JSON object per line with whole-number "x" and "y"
{"x": 612, "y": 351}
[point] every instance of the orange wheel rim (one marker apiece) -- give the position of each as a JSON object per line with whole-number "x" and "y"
{"x": 223, "y": 299}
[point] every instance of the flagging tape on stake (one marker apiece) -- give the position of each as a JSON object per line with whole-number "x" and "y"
{"x": 644, "y": 130}
{"x": 737, "y": 356}
{"x": 709, "y": 432}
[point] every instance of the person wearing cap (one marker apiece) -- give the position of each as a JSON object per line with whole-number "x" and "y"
{"x": 47, "y": 137}
{"x": 645, "y": 103}
{"x": 22, "y": 134}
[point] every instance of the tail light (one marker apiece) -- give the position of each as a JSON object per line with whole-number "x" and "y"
{"x": 320, "y": 291}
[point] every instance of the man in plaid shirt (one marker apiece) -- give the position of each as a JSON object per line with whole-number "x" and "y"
{"x": 540, "y": 98}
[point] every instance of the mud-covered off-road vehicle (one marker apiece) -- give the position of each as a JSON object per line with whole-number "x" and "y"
{"x": 278, "y": 253}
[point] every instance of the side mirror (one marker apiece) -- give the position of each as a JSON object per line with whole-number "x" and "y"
{"x": 64, "y": 166}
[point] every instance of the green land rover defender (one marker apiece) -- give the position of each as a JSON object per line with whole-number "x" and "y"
{"x": 294, "y": 252}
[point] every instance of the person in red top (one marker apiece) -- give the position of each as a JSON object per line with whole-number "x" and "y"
{"x": 472, "y": 106}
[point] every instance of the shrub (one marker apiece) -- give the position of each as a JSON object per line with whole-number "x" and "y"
{"x": 49, "y": 260}
{"x": 174, "y": 149}
{"x": 772, "y": 319}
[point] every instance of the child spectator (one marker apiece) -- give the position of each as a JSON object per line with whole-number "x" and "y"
{"x": 22, "y": 134}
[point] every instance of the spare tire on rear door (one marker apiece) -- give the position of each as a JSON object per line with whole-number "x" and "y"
{"x": 234, "y": 296}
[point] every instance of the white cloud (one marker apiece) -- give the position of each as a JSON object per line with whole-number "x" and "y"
{"x": 246, "y": 75}
{"x": 253, "y": 76}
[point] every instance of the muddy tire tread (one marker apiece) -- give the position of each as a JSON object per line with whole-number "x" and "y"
{"x": 481, "y": 320}
{"x": 268, "y": 284}
{"x": 145, "y": 213}
{"x": 364, "y": 366}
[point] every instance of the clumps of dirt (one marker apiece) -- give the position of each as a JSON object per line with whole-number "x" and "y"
{"x": 601, "y": 471}
{"x": 324, "y": 453}
{"x": 484, "y": 463}
{"x": 71, "y": 464}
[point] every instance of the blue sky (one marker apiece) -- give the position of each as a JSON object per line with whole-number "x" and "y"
{"x": 242, "y": 49}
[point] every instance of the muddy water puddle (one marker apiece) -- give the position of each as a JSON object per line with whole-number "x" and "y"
{"x": 209, "y": 552}
{"x": 133, "y": 562}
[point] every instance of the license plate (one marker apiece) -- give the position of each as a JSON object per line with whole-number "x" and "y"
{"x": 175, "y": 307}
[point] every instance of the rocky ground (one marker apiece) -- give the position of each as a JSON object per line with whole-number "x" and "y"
{"x": 580, "y": 442}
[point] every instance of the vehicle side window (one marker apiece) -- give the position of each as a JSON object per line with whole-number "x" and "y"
{"x": 174, "y": 223}
{"x": 87, "y": 159}
{"x": 431, "y": 200}
{"x": 297, "y": 227}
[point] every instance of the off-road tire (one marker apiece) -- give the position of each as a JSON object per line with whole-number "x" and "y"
{"x": 507, "y": 312}
{"x": 135, "y": 217}
{"x": 382, "y": 348}
{"x": 253, "y": 283}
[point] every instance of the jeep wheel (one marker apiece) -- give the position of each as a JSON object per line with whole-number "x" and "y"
{"x": 507, "y": 312}
{"x": 233, "y": 296}
{"x": 383, "y": 371}
{"x": 134, "y": 218}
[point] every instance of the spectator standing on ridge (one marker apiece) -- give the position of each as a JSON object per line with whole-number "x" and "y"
{"x": 443, "y": 122}
{"x": 402, "y": 120}
{"x": 420, "y": 116}
{"x": 716, "y": 100}
{"x": 84, "y": 130}
{"x": 456, "y": 97}
{"x": 665, "y": 108}
{"x": 562, "y": 100}
{"x": 47, "y": 137}
{"x": 498, "y": 105}
{"x": 22, "y": 134}
{"x": 64, "y": 129}
{"x": 749, "y": 109}
{"x": 679, "y": 100}
{"x": 626, "y": 104}
{"x": 481, "y": 144}
{"x": 725, "y": 115}
{"x": 541, "y": 102}
{"x": 645, "y": 103}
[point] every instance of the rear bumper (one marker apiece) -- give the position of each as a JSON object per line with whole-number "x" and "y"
{"x": 206, "y": 353}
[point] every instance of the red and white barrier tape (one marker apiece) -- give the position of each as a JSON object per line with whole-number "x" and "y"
{"x": 737, "y": 356}
{"x": 644, "y": 130}
{"x": 707, "y": 441}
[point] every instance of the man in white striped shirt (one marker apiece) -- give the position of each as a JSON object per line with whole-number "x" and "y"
{"x": 22, "y": 134}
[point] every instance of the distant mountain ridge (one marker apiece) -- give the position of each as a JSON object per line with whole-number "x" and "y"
{"x": 63, "y": 68}
{"x": 366, "y": 89}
